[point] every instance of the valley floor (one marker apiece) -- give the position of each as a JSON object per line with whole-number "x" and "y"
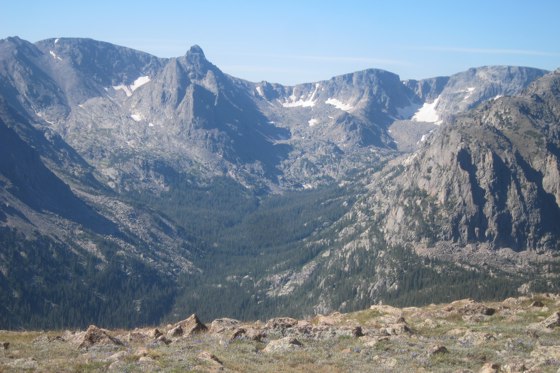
{"x": 515, "y": 335}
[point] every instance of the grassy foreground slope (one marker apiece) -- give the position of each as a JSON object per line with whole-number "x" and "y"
{"x": 515, "y": 335}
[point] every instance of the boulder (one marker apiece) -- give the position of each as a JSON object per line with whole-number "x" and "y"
{"x": 137, "y": 337}
{"x": 283, "y": 345}
{"x": 117, "y": 356}
{"x": 514, "y": 367}
{"x": 476, "y": 338}
{"x": 237, "y": 333}
{"x": 332, "y": 319}
{"x": 543, "y": 356}
{"x": 255, "y": 334}
{"x": 437, "y": 350}
{"x": 23, "y": 364}
{"x": 117, "y": 366}
{"x": 156, "y": 333}
{"x": 281, "y": 323}
{"x": 357, "y": 332}
{"x": 553, "y": 321}
{"x": 490, "y": 368}
{"x": 537, "y": 303}
{"x": 372, "y": 342}
{"x": 146, "y": 359}
{"x": 210, "y": 361}
{"x": 97, "y": 336}
{"x": 209, "y": 357}
{"x": 223, "y": 324}
{"x": 385, "y": 309}
{"x": 163, "y": 339}
{"x": 247, "y": 333}
{"x": 469, "y": 307}
{"x": 175, "y": 332}
{"x": 141, "y": 352}
{"x": 191, "y": 326}
{"x": 396, "y": 329}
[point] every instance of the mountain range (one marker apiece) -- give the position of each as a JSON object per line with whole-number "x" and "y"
{"x": 137, "y": 188}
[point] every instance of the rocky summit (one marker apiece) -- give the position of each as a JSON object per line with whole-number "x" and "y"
{"x": 514, "y": 335}
{"x": 137, "y": 189}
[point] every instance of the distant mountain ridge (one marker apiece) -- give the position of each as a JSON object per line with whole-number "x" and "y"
{"x": 148, "y": 169}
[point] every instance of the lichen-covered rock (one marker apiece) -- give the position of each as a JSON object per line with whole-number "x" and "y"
{"x": 176, "y": 331}
{"x": 553, "y": 321}
{"x": 281, "y": 323}
{"x": 476, "y": 338}
{"x": 490, "y": 368}
{"x": 207, "y": 356}
{"x": 191, "y": 325}
{"x": 223, "y": 324}
{"x": 438, "y": 350}
{"x": 283, "y": 345}
{"x": 23, "y": 364}
{"x": 96, "y": 336}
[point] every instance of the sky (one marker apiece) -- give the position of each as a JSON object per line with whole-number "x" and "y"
{"x": 292, "y": 42}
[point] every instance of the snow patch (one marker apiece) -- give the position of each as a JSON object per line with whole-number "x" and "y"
{"x": 407, "y": 111}
{"x": 128, "y": 89}
{"x": 260, "y": 91}
{"x": 150, "y": 124}
{"x": 55, "y": 56}
{"x": 124, "y": 88}
{"x": 137, "y": 117}
{"x": 338, "y": 104}
{"x": 427, "y": 113}
{"x": 425, "y": 137}
{"x": 41, "y": 115}
{"x": 139, "y": 82}
{"x": 313, "y": 122}
{"x": 308, "y": 101}
{"x": 497, "y": 97}
{"x": 469, "y": 92}
{"x": 56, "y": 40}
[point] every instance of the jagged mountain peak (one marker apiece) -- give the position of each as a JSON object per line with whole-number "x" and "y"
{"x": 15, "y": 45}
{"x": 196, "y": 64}
{"x": 195, "y": 58}
{"x": 15, "y": 40}
{"x": 196, "y": 50}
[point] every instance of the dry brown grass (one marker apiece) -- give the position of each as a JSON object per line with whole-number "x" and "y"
{"x": 511, "y": 338}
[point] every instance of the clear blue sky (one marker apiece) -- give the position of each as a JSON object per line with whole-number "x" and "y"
{"x": 292, "y": 42}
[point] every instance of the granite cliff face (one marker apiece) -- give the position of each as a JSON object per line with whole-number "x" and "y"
{"x": 448, "y": 96}
{"x": 491, "y": 175}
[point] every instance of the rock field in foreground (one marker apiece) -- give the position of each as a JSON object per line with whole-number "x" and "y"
{"x": 515, "y": 335}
